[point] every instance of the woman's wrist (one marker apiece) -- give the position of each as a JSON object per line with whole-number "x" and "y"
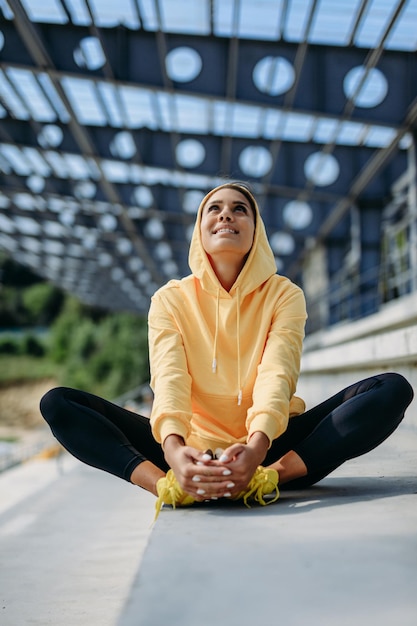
{"x": 259, "y": 443}
{"x": 172, "y": 442}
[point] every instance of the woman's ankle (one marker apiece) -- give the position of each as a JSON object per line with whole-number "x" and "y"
{"x": 289, "y": 467}
{"x": 146, "y": 475}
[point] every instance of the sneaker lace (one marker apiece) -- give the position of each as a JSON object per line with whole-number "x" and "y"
{"x": 263, "y": 482}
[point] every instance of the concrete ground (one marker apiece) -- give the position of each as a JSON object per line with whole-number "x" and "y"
{"x": 71, "y": 539}
{"x": 72, "y": 550}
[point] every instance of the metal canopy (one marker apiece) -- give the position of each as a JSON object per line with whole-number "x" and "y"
{"x": 117, "y": 117}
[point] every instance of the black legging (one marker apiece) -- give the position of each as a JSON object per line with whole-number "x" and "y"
{"x": 346, "y": 425}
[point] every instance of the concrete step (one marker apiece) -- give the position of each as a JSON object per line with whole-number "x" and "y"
{"x": 78, "y": 547}
{"x": 341, "y": 553}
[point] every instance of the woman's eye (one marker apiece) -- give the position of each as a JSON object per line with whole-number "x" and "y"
{"x": 240, "y": 207}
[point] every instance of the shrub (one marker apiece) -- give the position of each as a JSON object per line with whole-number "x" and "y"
{"x": 104, "y": 354}
{"x": 32, "y": 346}
{"x": 9, "y": 345}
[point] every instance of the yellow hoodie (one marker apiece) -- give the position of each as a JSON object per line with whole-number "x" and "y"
{"x": 225, "y": 364}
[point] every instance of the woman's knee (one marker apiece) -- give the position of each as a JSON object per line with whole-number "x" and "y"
{"x": 51, "y": 403}
{"x": 399, "y": 387}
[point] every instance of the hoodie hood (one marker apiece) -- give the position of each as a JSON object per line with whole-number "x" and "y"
{"x": 259, "y": 266}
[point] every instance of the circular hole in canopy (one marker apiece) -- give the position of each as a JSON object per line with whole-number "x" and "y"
{"x": 273, "y": 75}
{"x": 297, "y": 214}
{"x": 282, "y": 243}
{"x": 36, "y": 183}
{"x": 89, "y": 54}
{"x": 322, "y": 169}
{"x": 163, "y": 251}
{"x": 154, "y": 229}
{"x": 123, "y": 145}
{"x": 190, "y": 153}
{"x": 124, "y": 246}
{"x": 183, "y": 64}
{"x": 108, "y": 222}
{"x": 371, "y": 92}
{"x": 51, "y": 136}
{"x": 192, "y": 200}
{"x": 143, "y": 196}
{"x": 255, "y": 161}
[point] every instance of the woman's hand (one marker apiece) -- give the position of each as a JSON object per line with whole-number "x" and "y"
{"x": 243, "y": 459}
{"x": 197, "y": 474}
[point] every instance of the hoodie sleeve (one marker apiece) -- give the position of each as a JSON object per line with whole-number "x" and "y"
{"x": 170, "y": 380}
{"x": 280, "y": 365}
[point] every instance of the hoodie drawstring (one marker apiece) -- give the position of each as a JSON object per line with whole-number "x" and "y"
{"x": 239, "y": 382}
{"x": 216, "y": 333}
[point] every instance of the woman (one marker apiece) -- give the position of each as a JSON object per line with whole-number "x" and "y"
{"x": 225, "y": 345}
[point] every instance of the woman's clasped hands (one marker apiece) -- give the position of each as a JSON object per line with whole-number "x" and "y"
{"x": 207, "y": 478}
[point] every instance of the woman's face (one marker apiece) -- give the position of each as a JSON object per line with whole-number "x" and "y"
{"x": 227, "y": 223}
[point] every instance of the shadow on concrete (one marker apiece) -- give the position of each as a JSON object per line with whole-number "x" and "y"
{"x": 337, "y": 491}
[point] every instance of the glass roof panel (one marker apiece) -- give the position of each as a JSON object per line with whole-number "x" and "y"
{"x": 166, "y": 112}
{"x": 37, "y": 162}
{"x": 374, "y": 22}
{"x": 260, "y": 20}
{"x": 192, "y": 114}
{"x": 116, "y": 171}
{"x": 77, "y": 166}
{"x": 7, "y": 12}
{"x": 110, "y": 13}
{"x": 274, "y": 121}
{"x": 404, "y": 33}
{"x": 350, "y": 133}
{"x": 379, "y": 137}
{"x": 35, "y": 101}
{"x": 16, "y": 160}
{"x": 326, "y": 130}
{"x": 333, "y": 22}
{"x": 221, "y": 117}
{"x": 245, "y": 121}
{"x": 223, "y": 18}
{"x": 45, "y": 11}
{"x": 148, "y": 14}
{"x": 111, "y": 99}
{"x": 185, "y": 16}
{"x": 83, "y": 98}
{"x": 57, "y": 163}
{"x": 296, "y": 19}
{"x": 78, "y": 12}
{"x": 139, "y": 107}
{"x": 298, "y": 127}
{"x": 11, "y": 100}
{"x": 54, "y": 98}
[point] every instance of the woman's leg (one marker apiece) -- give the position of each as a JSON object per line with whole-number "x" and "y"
{"x": 347, "y": 425}
{"x": 104, "y": 435}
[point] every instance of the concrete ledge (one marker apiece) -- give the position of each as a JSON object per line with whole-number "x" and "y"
{"x": 392, "y": 347}
{"x": 339, "y": 553}
{"x": 340, "y": 356}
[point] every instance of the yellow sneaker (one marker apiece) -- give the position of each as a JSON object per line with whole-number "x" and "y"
{"x": 263, "y": 482}
{"x": 169, "y": 492}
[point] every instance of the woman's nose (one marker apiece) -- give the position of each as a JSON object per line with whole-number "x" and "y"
{"x": 225, "y": 216}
